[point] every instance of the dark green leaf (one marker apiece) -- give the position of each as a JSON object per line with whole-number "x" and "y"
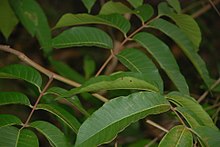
{"x": 117, "y": 114}
{"x": 175, "y": 4}
{"x": 82, "y": 36}
{"x": 163, "y": 8}
{"x": 178, "y": 136}
{"x": 137, "y": 61}
{"x": 144, "y": 12}
{"x": 18, "y": 71}
{"x": 27, "y": 138}
{"x": 52, "y": 133}
{"x": 34, "y": 20}
{"x": 89, "y": 4}
{"x": 8, "y": 120}
{"x": 8, "y": 18}
{"x": 135, "y": 3}
{"x": 62, "y": 114}
{"x": 89, "y": 66}
{"x": 161, "y": 52}
{"x": 13, "y": 98}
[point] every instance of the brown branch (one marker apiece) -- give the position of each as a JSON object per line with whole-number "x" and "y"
{"x": 157, "y": 125}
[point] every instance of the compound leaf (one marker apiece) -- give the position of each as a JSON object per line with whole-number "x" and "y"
{"x": 9, "y": 120}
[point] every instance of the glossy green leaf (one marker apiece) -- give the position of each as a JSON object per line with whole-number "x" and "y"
{"x": 114, "y": 20}
{"x": 190, "y": 103}
{"x": 67, "y": 71}
{"x": 116, "y": 81}
{"x": 52, "y": 133}
{"x": 175, "y": 4}
{"x": 22, "y": 72}
{"x": 8, "y": 120}
{"x": 135, "y": 3}
{"x": 114, "y": 7}
{"x": 115, "y": 115}
{"x": 89, "y": 66}
{"x": 161, "y": 52}
{"x": 34, "y": 20}
{"x": 13, "y": 98}
{"x": 137, "y": 61}
{"x": 82, "y": 36}
{"x": 89, "y": 4}
{"x": 13, "y": 137}
{"x": 7, "y": 25}
{"x": 144, "y": 12}
{"x": 210, "y": 137}
{"x": 62, "y": 114}
{"x": 186, "y": 45}
{"x": 178, "y": 136}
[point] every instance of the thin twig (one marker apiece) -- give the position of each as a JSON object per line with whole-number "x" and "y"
{"x": 213, "y": 5}
{"x": 156, "y": 125}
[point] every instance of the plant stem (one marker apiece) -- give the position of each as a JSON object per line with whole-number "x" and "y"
{"x": 157, "y": 125}
{"x": 38, "y": 100}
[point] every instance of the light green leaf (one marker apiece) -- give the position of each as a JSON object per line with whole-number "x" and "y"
{"x": 144, "y": 12}
{"x": 161, "y": 52}
{"x": 13, "y": 98}
{"x": 114, "y": 7}
{"x": 137, "y": 61}
{"x": 8, "y": 120}
{"x": 52, "y": 133}
{"x": 114, "y": 20}
{"x": 210, "y": 137}
{"x": 175, "y": 4}
{"x": 82, "y": 36}
{"x": 8, "y": 18}
{"x": 186, "y": 45}
{"x": 178, "y": 136}
{"x": 89, "y": 4}
{"x": 116, "y": 81}
{"x": 115, "y": 115}
{"x": 62, "y": 114}
{"x": 18, "y": 71}
{"x": 13, "y": 137}
{"x": 188, "y": 102}
{"x": 135, "y": 3}
{"x": 34, "y": 20}
{"x": 89, "y": 66}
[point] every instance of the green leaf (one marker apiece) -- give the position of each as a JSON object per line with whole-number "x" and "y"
{"x": 114, "y": 7}
{"x": 62, "y": 114}
{"x": 9, "y": 120}
{"x": 89, "y": 66}
{"x": 135, "y": 3}
{"x": 186, "y": 45}
{"x": 52, "y": 133}
{"x": 178, "y": 136}
{"x": 188, "y": 102}
{"x": 114, "y": 20}
{"x": 82, "y": 36}
{"x": 175, "y": 4}
{"x": 116, "y": 81}
{"x": 22, "y": 72}
{"x": 89, "y": 4}
{"x": 210, "y": 137}
{"x": 13, "y": 98}
{"x": 161, "y": 52}
{"x": 13, "y": 137}
{"x": 115, "y": 115}
{"x": 137, "y": 61}
{"x": 8, "y": 18}
{"x": 144, "y": 12}
{"x": 34, "y": 20}
{"x": 163, "y": 8}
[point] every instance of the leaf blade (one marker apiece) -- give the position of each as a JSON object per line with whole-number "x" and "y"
{"x": 27, "y": 138}
{"x": 89, "y": 4}
{"x": 9, "y": 120}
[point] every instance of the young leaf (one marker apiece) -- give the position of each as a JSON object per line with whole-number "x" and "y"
{"x": 175, "y": 4}
{"x": 160, "y": 51}
{"x": 52, "y": 133}
{"x": 114, "y": 20}
{"x": 137, "y": 61}
{"x": 135, "y": 3}
{"x": 82, "y": 36}
{"x": 144, "y": 12}
{"x": 178, "y": 136}
{"x": 7, "y": 25}
{"x": 9, "y": 120}
{"x": 34, "y": 20}
{"x": 62, "y": 114}
{"x": 188, "y": 102}
{"x": 18, "y": 71}
{"x": 117, "y": 114}
{"x": 210, "y": 137}
{"x": 181, "y": 39}
{"x": 89, "y": 4}
{"x": 88, "y": 66}
{"x": 13, "y": 98}
{"x": 114, "y": 7}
